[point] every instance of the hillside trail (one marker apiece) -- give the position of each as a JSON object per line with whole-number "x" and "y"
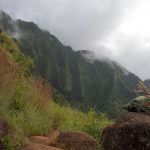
{"x": 68, "y": 140}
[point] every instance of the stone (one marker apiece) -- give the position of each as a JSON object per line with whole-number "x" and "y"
{"x": 76, "y": 140}
{"x": 134, "y": 135}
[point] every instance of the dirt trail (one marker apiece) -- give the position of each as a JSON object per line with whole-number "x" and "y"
{"x": 67, "y": 140}
{"x": 42, "y": 143}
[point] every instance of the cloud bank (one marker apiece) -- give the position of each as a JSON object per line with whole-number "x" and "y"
{"x": 116, "y": 29}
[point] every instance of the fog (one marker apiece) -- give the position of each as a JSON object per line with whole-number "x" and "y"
{"x": 116, "y": 29}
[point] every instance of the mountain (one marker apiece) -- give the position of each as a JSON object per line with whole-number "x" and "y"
{"x": 102, "y": 85}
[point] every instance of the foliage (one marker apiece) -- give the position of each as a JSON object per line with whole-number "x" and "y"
{"x": 67, "y": 119}
{"x": 59, "y": 98}
{"x": 8, "y": 144}
{"x": 25, "y": 63}
{"x": 143, "y": 90}
{"x": 97, "y": 84}
{"x": 24, "y": 102}
{"x": 17, "y": 100}
{"x": 8, "y": 77}
{"x": 8, "y": 43}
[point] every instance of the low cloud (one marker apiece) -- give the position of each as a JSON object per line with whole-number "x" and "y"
{"x": 14, "y": 31}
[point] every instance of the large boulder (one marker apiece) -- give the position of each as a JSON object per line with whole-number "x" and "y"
{"x": 76, "y": 140}
{"x": 3, "y": 130}
{"x": 130, "y": 132}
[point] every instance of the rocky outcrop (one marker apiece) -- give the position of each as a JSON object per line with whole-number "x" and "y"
{"x": 130, "y": 132}
{"x": 76, "y": 140}
{"x": 3, "y": 130}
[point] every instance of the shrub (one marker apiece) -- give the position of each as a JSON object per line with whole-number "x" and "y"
{"x": 67, "y": 119}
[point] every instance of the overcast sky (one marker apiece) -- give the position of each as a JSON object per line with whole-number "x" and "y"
{"x": 117, "y": 29}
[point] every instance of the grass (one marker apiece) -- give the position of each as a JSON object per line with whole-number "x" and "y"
{"x": 67, "y": 119}
{"x": 8, "y": 43}
{"x": 24, "y": 103}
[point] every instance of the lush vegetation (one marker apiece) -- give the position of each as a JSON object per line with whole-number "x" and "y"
{"x": 73, "y": 120}
{"x": 27, "y": 105}
{"x": 84, "y": 84}
{"x": 24, "y": 101}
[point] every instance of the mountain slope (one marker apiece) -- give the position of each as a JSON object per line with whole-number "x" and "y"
{"x": 147, "y": 83}
{"x": 98, "y": 84}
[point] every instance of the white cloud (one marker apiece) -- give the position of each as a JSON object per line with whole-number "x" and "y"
{"x": 117, "y": 29}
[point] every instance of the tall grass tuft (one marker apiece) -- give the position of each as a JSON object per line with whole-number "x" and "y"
{"x": 25, "y": 103}
{"x": 9, "y": 82}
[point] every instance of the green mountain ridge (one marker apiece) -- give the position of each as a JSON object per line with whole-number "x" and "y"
{"x": 98, "y": 84}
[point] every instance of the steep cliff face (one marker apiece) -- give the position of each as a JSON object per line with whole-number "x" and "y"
{"x": 85, "y": 84}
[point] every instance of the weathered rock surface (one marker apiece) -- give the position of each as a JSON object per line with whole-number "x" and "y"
{"x": 130, "y": 132}
{"x": 39, "y": 147}
{"x": 3, "y": 130}
{"x": 76, "y": 140}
